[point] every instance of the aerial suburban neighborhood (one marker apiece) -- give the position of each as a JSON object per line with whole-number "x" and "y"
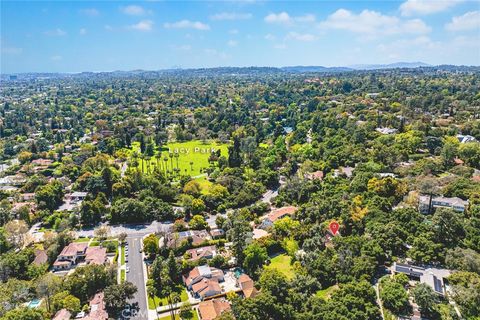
{"x": 240, "y": 160}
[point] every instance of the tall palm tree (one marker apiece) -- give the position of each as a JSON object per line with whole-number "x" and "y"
{"x": 135, "y": 159}
{"x": 142, "y": 158}
{"x": 171, "y": 159}
{"x": 177, "y": 155}
{"x": 158, "y": 156}
{"x": 147, "y": 159}
{"x": 165, "y": 159}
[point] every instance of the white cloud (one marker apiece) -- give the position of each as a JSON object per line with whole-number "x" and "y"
{"x": 55, "y": 33}
{"x": 270, "y": 37}
{"x": 187, "y": 24}
{"x": 56, "y": 58}
{"x": 285, "y": 19}
{"x": 231, "y": 16}
{"x": 83, "y": 31}
{"x": 280, "y": 46}
{"x": 423, "y": 7}
{"x": 372, "y": 23}
{"x": 468, "y": 21}
{"x": 134, "y": 10}
{"x": 91, "y": 12}
{"x": 144, "y": 25}
{"x": 280, "y": 18}
{"x": 232, "y": 43}
{"x": 306, "y": 37}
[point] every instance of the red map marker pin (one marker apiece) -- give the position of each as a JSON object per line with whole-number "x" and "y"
{"x": 334, "y": 226}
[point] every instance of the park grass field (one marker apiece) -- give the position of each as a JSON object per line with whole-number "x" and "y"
{"x": 192, "y": 159}
{"x": 282, "y": 264}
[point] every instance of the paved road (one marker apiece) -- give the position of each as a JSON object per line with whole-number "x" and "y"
{"x": 135, "y": 276}
{"x": 130, "y": 229}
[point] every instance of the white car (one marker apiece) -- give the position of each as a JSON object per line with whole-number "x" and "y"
{"x": 127, "y": 269}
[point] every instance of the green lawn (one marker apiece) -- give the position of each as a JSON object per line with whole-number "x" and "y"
{"x": 282, "y": 264}
{"x": 177, "y": 317}
{"x": 122, "y": 255}
{"x": 195, "y": 152}
{"x": 123, "y": 275}
{"x": 180, "y": 289}
{"x": 94, "y": 243}
{"x": 81, "y": 240}
{"x": 327, "y": 292}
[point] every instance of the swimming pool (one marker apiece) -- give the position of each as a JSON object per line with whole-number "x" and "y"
{"x": 35, "y": 303}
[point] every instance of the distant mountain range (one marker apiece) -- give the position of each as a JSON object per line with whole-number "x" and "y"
{"x": 246, "y": 71}
{"x": 390, "y": 66}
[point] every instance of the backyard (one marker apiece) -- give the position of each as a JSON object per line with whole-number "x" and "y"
{"x": 282, "y": 263}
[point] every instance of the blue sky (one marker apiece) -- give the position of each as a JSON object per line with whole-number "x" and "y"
{"x": 62, "y": 36}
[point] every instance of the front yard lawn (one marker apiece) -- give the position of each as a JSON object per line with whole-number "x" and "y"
{"x": 180, "y": 289}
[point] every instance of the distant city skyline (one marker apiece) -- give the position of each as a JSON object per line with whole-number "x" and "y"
{"x": 54, "y": 36}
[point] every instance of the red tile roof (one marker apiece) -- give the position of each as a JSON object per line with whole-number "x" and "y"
{"x": 211, "y": 309}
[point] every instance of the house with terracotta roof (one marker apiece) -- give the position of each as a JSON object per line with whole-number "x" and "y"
{"x": 246, "y": 284}
{"x": 62, "y": 314}
{"x": 196, "y": 254}
{"x": 40, "y": 257}
{"x": 96, "y": 255}
{"x": 197, "y": 237}
{"x": 275, "y": 215}
{"x": 212, "y": 309}
{"x": 70, "y": 256}
{"x": 317, "y": 175}
{"x": 97, "y": 308}
{"x": 200, "y": 273}
{"x": 206, "y": 288}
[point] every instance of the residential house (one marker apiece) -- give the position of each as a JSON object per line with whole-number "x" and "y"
{"x": 347, "y": 171}
{"x": 317, "y": 175}
{"x": 259, "y": 233}
{"x": 41, "y": 257}
{"x": 217, "y": 233}
{"x": 212, "y": 309}
{"x": 27, "y": 197}
{"x": 200, "y": 273}
{"x": 207, "y": 252}
{"x": 454, "y": 203}
{"x": 70, "y": 256}
{"x": 97, "y": 308}
{"x": 96, "y": 255}
{"x": 72, "y": 201}
{"x": 246, "y": 284}
{"x": 62, "y": 314}
{"x": 465, "y": 138}
{"x": 386, "y": 130}
{"x": 197, "y": 237}
{"x": 275, "y": 215}
{"x": 433, "y": 277}
{"x": 206, "y": 288}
